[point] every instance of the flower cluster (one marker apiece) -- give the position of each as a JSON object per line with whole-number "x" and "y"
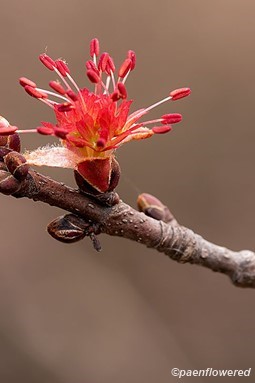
{"x": 91, "y": 125}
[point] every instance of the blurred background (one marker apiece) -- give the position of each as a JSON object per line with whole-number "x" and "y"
{"x": 129, "y": 314}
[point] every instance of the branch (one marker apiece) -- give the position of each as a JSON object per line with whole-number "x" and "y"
{"x": 177, "y": 242}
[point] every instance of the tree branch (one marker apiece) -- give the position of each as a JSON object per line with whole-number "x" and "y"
{"x": 177, "y": 242}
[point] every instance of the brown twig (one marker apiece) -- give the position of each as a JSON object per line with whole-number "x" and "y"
{"x": 177, "y": 242}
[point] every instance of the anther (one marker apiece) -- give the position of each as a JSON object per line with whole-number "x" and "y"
{"x": 61, "y": 133}
{"x": 62, "y": 67}
{"x": 94, "y": 47}
{"x": 57, "y": 87}
{"x": 103, "y": 61}
{"x": 5, "y": 128}
{"x": 34, "y": 92}
{"x": 93, "y": 76}
{"x": 72, "y": 95}
{"x": 44, "y": 130}
{"x": 91, "y": 65}
{"x": 171, "y": 118}
{"x": 161, "y": 129}
{"x": 125, "y": 67}
{"x": 47, "y": 61}
{"x": 122, "y": 90}
{"x": 132, "y": 56}
{"x": 25, "y": 81}
{"x": 180, "y": 93}
{"x": 65, "y": 107}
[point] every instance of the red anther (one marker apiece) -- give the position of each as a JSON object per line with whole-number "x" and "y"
{"x": 115, "y": 96}
{"x": 180, "y": 93}
{"x": 34, "y": 92}
{"x": 47, "y": 61}
{"x": 94, "y": 47}
{"x": 72, "y": 95}
{"x": 132, "y": 56}
{"x": 57, "y": 87}
{"x": 66, "y": 107}
{"x": 7, "y": 130}
{"x": 91, "y": 65}
{"x": 122, "y": 90}
{"x": 62, "y": 67}
{"x": 93, "y": 77}
{"x": 25, "y": 81}
{"x": 162, "y": 129}
{"x": 125, "y": 67}
{"x": 103, "y": 61}
{"x": 61, "y": 133}
{"x": 111, "y": 64}
{"x": 45, "y": 130}
{"x": 171, "y": 118}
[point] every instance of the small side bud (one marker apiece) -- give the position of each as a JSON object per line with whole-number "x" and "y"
{"x": 14, "y": 142}
{"x": 154, "y": 208}
{"x": 8, "y": 184}
{"x": 17, "y": 165}
{"x": 67, "y": 228}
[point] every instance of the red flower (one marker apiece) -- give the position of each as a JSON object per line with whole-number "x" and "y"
{"x": 92, "y": 125}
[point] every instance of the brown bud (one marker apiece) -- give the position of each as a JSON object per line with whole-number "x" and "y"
{"x": 3, "y": 151}
{"x": 8, "y": 184}
{"x": 17, "y": 165}
{"x": 154, "y": 208}
{"x": 67, "y": 228}
{"x": 14, "y": 142}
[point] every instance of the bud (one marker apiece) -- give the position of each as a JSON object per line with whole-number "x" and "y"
{"x": 17, "y": 165}
{"x": 68, "y": 228}
{"x": 8, "y": 184}
{"x": 154, "y": 208}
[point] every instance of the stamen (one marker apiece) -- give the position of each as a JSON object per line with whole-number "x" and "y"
{"x": 91, "y": 65}
{"x": 62, "y": 67}
{"x": 72, "y": 95}
{"x": 162, "y": 129}
{"x": 46, "y": 92}
{"x": 57, "y": 87}
{"x": 7, "y": 130}
{"x": 61, "y": 132}
{"x": 34, "y": 92}
{"x": 47, "y": 61}
{"x": 122, "y": 90}
{"x": 94, "y": 47}
{"x": 132, "y": 57}
{"x": 66, "y": 107}
{"x": 25, "y": 81}
{"x": 125, "y": 68}
{"x": 45, "y": 130}
{"x": 180, "y": 93}
{"x": 171, "y": 118}
{"x": 93, "y": 76}
{"x": 103, "y": 61}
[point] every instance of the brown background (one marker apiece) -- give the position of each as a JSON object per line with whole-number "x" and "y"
{"x": 130, "y": 314}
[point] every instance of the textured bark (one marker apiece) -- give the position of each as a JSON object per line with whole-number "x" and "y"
{"x": 177, "y": 242}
